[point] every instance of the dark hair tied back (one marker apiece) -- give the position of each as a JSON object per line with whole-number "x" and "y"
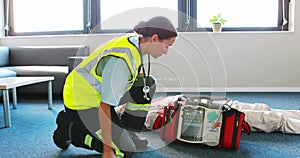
{"x": 141, "y": 28}
{"x": 158, "y": 25}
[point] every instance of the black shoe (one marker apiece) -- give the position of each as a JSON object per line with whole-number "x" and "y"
{"x": 140, "y": 143}
{"x": 61, "y": 134}
{"x": 128, "y": 154}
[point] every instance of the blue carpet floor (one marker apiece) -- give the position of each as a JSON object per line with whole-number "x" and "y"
{"x": 33, "y": 124}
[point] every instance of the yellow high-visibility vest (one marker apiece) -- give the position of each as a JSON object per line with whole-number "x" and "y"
{"x": 82, "y": 89}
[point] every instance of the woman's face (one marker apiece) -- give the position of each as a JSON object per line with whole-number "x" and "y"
{"x": 160, "y": 47}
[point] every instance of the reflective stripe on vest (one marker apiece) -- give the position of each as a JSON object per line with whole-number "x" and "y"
{"x": 85, "y": 71}
{"x": 117, "y": 150}
{"x": 88, "y": 141}
{"x": 134, "y": 107}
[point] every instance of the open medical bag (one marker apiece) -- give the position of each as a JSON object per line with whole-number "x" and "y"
{"x": 204, "y": 120}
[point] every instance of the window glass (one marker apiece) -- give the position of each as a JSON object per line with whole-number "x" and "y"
{"x": 31, "y": 17}
{"x": 47, "y": 15}
{"x": 120, "y": 14}
{"x": 239, "y": 13}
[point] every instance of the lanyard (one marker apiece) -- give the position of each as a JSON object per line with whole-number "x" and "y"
{"x": 146, "y": 88}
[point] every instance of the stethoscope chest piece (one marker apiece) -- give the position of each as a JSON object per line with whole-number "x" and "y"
{"x": 146, "y": 90}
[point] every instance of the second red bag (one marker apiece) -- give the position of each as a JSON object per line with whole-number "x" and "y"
{"x": 233, "y": 123}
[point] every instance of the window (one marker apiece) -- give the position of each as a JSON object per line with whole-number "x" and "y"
{"x": 239, "y": 13}
{"x": 42, "y": 17}
{"x": 242, "y": 15}
{"x": 46, "y": 16}
{"x": 130, "y": 12}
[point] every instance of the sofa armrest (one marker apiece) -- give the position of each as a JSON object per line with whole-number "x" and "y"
{"x": 4, "y": 56}
{"x": 74, "y": 61}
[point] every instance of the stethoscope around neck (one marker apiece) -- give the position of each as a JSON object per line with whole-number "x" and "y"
{"x": 146, "y": 88}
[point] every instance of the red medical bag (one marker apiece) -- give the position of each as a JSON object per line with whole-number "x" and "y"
{"x": 168, "y": 130}
{"x": 233, "y": 123}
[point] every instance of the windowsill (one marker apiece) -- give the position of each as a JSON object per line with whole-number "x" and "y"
{"x": 183, "y": 33}
{"x": 241, "y": 32}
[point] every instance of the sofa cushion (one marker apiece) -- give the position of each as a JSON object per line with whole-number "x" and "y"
{"x": 4, "y": 55}
{"x": 44, "y": 55}
{"x": 7, "y": 73}
{"x": 38, "y": 70}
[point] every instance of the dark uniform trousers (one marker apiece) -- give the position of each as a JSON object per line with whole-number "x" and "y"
{"x": 86, "y": 122}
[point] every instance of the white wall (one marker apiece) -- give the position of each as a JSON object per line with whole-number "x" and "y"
{"x": 2, "y": 19}
{"x": 231, "y": 61}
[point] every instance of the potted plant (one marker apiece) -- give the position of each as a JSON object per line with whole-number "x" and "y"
{"x": 217, "y": 21}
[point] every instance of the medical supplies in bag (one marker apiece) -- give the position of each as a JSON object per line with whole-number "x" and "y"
{"x": 155, "y": 115}
{"x": 203, "y": 120}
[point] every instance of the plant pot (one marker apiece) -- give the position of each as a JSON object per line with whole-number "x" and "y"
{"x": 217, "y": 27}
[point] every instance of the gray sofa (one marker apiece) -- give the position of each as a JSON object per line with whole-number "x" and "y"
{"x": 39, "y": 61}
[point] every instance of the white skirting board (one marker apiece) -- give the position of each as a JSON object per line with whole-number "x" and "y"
{"x": 230, "y": 89}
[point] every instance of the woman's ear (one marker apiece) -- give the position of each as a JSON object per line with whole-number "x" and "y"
{"x": 154, "y": 38}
